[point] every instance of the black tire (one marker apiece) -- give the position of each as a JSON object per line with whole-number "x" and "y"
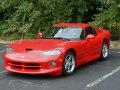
{"x": 104, "y": 51}
{"x": 67, "y": 62}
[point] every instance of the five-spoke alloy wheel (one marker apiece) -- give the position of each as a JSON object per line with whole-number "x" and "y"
{"x": 104, "y": 51}
{"x": 69, "y": 63}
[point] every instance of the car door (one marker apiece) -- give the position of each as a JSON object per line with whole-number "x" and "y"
{"x": 92, "y": 45}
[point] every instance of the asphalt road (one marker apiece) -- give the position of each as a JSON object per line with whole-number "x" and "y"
{"x": 97, "y": 75}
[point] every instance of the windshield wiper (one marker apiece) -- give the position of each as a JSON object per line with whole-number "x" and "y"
{"x": 56, "y": 38}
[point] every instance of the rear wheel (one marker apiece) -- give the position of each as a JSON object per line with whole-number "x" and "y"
{"x": 104, "y": 51}
{"x": 69, "y": 63}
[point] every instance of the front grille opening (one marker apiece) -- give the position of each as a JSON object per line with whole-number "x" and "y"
{"x": 32, "y": 64}
{"x": 16, "y": 63}
{"x": 33, "y": 68}
{"x": 24, "y": 66}
{"x": 18, "y": 67}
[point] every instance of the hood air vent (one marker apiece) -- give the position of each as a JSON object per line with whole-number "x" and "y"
{"x": 29, "y": 49}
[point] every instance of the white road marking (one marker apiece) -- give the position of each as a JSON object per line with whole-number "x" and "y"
{"x": 102, "y": 78}
{"x": 11, "y": 81}
{"x": 19, "y": 84}
{"x": 3, "y": 71}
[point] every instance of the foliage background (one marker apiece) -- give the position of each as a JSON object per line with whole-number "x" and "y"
{"x": 23, "y": 19}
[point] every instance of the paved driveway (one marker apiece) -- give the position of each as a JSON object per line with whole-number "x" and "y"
{"x": 97, "y": 75}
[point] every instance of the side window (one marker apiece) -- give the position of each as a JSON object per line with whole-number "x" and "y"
{"x": 90, "y": 30}
{"x": 82, "y": 35}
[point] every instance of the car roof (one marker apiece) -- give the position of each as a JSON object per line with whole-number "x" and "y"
{"x": 82, "y": 25}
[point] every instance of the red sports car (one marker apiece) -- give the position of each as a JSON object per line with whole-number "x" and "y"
{"x": 60, "y": 50}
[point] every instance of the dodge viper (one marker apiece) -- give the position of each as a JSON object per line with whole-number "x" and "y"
{"x": 59, "y": 50}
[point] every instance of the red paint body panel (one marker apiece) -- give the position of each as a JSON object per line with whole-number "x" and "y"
{"x": 32, "y": 62}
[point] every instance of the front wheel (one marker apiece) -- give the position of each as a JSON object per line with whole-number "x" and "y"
{"x": 69, "y": 63}
{"x": 104, "y": 51}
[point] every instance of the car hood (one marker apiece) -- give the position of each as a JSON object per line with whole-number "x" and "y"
{"x": 38, "y": 45}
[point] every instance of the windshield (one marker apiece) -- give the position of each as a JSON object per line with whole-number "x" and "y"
{"x": 71, "y": 33}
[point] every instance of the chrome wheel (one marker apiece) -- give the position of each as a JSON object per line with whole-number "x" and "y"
{"x": 105, "y": 50}
{"x": 69, "y": 63}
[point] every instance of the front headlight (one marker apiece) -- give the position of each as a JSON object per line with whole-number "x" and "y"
{"x": 52, "y": 52}
{"x": 9, "y": 50}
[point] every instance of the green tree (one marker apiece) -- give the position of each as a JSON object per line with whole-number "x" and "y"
{"x": 110, "y": 19}
{"x": 20, "y": 19}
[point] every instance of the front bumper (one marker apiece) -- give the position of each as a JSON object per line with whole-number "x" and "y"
{"x": 55, "y": 71}
{"x": 33, "y": 66}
